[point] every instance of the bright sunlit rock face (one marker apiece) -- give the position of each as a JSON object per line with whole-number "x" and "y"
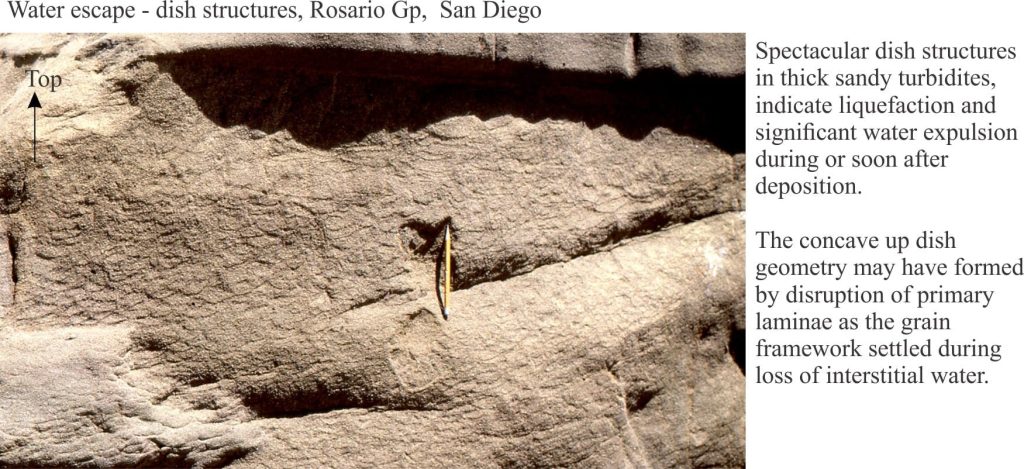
{"x": 226, "y": 252}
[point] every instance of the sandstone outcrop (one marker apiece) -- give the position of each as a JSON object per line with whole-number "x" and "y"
{"x": 225, "y": 252}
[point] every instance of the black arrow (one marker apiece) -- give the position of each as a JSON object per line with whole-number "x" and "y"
{"x": 34, "y": 104}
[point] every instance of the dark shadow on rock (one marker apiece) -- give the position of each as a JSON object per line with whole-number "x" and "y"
{"x": 333, "y": 97}
{"x": 738, "y": 348}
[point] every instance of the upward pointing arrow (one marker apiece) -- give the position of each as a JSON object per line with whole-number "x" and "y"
{"x": 34, "y": 104}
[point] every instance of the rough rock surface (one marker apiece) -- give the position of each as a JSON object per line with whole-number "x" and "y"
{"x": 226, "y": 251}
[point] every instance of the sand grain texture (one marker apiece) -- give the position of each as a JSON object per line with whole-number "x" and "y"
{"x": 225, "y": 253}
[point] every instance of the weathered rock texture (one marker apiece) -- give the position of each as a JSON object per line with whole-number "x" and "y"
{"x": 225, "y": 253}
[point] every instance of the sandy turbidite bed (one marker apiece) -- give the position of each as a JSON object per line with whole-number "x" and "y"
{"x": 225, "y": 251}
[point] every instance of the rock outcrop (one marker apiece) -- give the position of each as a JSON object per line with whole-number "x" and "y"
{"x": 225, "y": 251}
